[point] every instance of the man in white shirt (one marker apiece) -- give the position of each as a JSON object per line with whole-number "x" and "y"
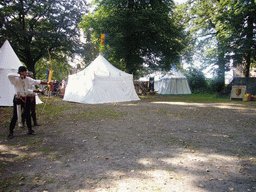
{"x": 21, "y": 84}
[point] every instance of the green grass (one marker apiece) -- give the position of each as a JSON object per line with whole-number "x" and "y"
{"x": 188, "y": 98}
{"x": 53, "y": 108}
{"x": 5, "y": 116}
{"x": 96, "y": 113}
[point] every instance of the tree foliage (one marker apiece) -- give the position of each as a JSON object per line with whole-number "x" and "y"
{"x": 203, "y": 24}
{"x": 140, "y": 32}
{"x": 59, "y": 65}
{"x": 226, "y": 31}
{"x": 196, "y": 80}
{"x": 237, "y": 27}
{"x": 36, "y": 28}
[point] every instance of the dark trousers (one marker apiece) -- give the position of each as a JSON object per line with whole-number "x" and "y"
{"x": 26, "y": 105}
{"x": 32, "y": 109}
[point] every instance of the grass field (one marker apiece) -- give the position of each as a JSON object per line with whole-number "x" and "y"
{"x": 51, "y": 108}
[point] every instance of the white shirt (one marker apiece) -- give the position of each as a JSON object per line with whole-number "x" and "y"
{"x": 31, "y": 89}
{"x": 22, "y": 86}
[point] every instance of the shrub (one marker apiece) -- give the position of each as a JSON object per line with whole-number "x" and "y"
{"x": 197, "y": 81}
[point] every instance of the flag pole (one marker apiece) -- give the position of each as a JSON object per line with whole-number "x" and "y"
{"x": 48, "y": 78}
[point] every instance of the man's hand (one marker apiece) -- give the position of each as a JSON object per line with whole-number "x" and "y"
{"x": 22, "y": 76}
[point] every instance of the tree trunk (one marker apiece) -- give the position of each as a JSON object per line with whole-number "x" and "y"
{"x": 246, "y": 65}
{"x": 249, "y": 44}
{"x": 31, "y": 67}
{"x": 221, "y": 69}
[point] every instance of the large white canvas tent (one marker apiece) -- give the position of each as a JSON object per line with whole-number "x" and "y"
{"x": 100, "y": 82}
{"x": 174, "y": 83}
{"x": 9, "y": 63}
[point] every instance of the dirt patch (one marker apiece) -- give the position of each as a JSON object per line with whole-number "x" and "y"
{"x": 150, "y": 145}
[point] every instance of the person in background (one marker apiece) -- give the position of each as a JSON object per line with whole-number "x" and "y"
{"x": 21, "y": 84}
{"x": 55, "y": 87}
{"x": 32, "y": 96}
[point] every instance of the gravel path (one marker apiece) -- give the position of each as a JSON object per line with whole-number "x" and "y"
{"x": 150, "y": 145}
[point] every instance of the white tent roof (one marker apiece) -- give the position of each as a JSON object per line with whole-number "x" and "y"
{"x": 174, "y": 73}
{"x": 8, "y": 58}
{"x": 100, "y": 82}
{"x": 9, "y": 63}
{"x": 174, "y": 83}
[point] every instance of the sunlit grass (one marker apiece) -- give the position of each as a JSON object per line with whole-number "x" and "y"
{"x": 188, "y": 98}
{"x": 54, "y": 108}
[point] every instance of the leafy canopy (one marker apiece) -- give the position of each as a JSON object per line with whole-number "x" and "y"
{"x": 226, "y": 29}
{"x": 140, "y": 32}
{"x": 35, "y": 28}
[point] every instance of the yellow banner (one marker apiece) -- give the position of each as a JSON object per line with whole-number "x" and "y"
{"x": 102, "y": 39}
{"x": 50, "y": 75}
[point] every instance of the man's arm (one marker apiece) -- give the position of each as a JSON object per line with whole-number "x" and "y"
{"x": 46, "y": 83}
{"x": 38, "y": 82}
{"x": 13, "y": 78}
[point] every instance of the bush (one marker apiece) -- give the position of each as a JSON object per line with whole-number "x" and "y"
{"x": 197, "y": 81}
{"x": 215, "y": 85}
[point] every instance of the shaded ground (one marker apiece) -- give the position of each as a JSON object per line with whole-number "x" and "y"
{"x": 155, "y": 144}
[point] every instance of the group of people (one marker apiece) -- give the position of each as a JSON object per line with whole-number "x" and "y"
{"x": 57, "y": 88}
{"x": 24, "y": 85}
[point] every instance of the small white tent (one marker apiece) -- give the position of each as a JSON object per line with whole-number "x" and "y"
{"x": 174, "y": 83}
{"x": 100, "y": 82}
{"x": 9, "y": 63}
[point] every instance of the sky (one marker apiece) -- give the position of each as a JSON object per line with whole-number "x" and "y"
{"x": 180, "y": 1}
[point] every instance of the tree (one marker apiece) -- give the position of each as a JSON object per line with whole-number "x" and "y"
{"x": 59, "y": 65}
{"x": 36, "y": 28}
{"x": 237, "y": 28}
{"x": 203, "y": 21}
{"x": 140, "y": 32}
{"x": 227, "y": 33}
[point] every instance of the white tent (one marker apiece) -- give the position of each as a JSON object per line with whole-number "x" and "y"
{"x": 100, "y": 82}
{"x": 174, "y": 83}
{"x": 9, "y": 63}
